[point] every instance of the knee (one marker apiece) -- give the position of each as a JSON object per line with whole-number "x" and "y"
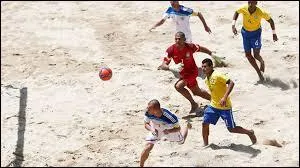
{"x": 248, "y": 55}
{"x": 205, "y": 126}
{"x": 148, "y": 147}
{"x": 178, "y": 87}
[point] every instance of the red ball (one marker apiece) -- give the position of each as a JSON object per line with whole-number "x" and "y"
{"x": 105, "y": 73}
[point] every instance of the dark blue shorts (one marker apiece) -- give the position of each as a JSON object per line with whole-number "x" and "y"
{"x": 251, "y": 39}
{"x": 212, "y": 115}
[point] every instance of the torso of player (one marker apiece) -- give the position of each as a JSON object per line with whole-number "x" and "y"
{"x": 252, "y": 21}
{"x": 166, "y": 121}
{"x": 217, "y": 88}
{"x": 184, "y": 55}
{"x": 181, "y": 19}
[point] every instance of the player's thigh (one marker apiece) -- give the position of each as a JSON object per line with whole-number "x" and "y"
{"x": 211, "y": 116}
{"x": 180, "y": 84}
{"x": 246, "y": 41}
{"x": 227, "y": 116}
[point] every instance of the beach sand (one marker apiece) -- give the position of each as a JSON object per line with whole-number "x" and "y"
{"x": 55, "y": 111}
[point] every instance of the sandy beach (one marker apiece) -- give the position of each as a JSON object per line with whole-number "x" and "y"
{"x": 55, "y": 111}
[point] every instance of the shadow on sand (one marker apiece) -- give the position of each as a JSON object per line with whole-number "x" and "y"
{"x": 238, "y": 148}
{"x": 275, "y": 82}
{"x": 17, "y": 162}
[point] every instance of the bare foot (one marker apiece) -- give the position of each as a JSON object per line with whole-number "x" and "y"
{"x": 194, "y": 107}
{"x": 252, "y": 137}
{"x": 188, "y": 125}
{"x": 272, "y": 142}
{"x": 261, "y": 79}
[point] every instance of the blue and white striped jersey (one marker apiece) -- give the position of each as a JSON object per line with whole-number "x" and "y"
{"x": 168, "y": 120}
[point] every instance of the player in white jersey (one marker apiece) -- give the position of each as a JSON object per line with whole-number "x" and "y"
{"x": 162, "y": 124}
{"x": 181, "y": 17}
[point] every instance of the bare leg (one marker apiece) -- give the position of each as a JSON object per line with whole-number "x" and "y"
{"x": 184, "y": 131}
{"x": 200, "y": 92}
{"x": 145, "y": 153}
{"x": 259, "y": 58}
{"x": 205, "y": 133}
{"x": 253, "y": 63}
{"x": 179, "y": 86}
{"x": 241, "y": 130}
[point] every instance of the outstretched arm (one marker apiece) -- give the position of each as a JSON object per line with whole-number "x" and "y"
{"x": 162, "y": 21}
{"x": 228, "y": 91}
{"x": 165, "y": 64}
{"x": 151, "y": 129}
{"x": 235, "y": 16}
{"x": 175, "y": 129}
{"x": 273, "y": 29}
{"x": 207, "y": 29}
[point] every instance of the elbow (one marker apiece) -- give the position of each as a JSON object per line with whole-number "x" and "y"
{"x": 232, "y": 83}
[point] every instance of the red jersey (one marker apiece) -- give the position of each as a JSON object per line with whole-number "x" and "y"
{"x": 185, "y": 55}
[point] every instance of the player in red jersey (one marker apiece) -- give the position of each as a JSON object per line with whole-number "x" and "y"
{"x": 182, "y": 54}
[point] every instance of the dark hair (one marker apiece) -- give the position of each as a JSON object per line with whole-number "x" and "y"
{"x": 155, "y": 103}
{"x": 208, "y": 61}
{"x": 181, "y": 34}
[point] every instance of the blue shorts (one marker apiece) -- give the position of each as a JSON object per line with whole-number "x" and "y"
{"x": 212, "y": 115}
{"x": 251, "y": 39}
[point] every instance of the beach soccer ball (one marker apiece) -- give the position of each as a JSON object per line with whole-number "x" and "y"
{"x": 105, "y": 73}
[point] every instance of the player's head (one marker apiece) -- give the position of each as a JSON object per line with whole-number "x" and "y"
{"x": 207, "y": 66}
{"x": 180, "y": 38}
{"x": 154, "y": 107}
{"x": 175, "y": 4}
{"x": 252, "y": 4}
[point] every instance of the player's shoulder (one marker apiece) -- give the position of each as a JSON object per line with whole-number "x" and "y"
{"x": 148, "y": 115}
{"x": 220, "y": 75}
{"x": 191, "y": 45}
{"x": 169, "y": 10}
{"x": 187, "y": 9}
{"x": 172, "y": 47}
{"x": 216, "y": 74}
{"x": 167, "y": 113}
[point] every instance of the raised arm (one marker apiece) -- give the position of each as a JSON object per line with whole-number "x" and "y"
{"x": 272, "y": 24}
{"x": 162, "y": 21}
{"x": 207, "y": 29}
{"x": 235, "y": 16}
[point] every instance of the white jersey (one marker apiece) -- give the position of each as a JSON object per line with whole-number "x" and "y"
{"x": 167, "y": 121}
{"x": 181, "y": 19}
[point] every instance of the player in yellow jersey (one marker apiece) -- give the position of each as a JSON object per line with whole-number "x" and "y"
{"x": 220, "y": 104}
{"x": 251, "y": 32}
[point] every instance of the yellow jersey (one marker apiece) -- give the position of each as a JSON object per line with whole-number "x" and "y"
{"x": 217, "y": 87}
{"x": 252, "y": 22}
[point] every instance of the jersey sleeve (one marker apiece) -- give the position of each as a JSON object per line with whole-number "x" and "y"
{"x": 172, "y": 119}
{"x": 222, "y": 78}
{"x": 166, "y": 15}
{"x": 189, "y": 11}
{"x": 241, "y": 10}
{"x": 265, "y": 15}
{"x": 195, "y": 13}
{"x": 169, "y": 52}
{"x": 195, "y": 47}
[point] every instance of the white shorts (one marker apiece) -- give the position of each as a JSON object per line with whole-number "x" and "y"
{"x": 172, "y": 137}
